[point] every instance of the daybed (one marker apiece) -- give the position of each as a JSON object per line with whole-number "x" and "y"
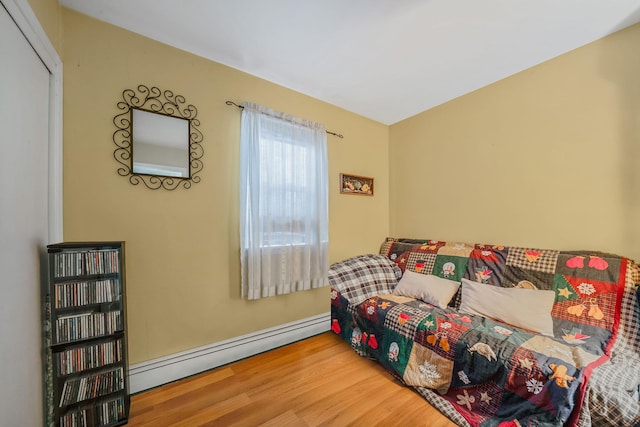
{"x": 492, "y": 335}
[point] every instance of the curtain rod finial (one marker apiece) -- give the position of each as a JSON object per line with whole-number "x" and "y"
{"x": 233, "y": 103}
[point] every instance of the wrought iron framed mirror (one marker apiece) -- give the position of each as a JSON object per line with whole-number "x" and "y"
{"x": 157, "y": 139}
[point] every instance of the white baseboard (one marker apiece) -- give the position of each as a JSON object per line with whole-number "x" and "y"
{"x": 153, "y": 373}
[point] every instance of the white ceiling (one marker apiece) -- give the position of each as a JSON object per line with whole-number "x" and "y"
{"x": 383, "y": 59}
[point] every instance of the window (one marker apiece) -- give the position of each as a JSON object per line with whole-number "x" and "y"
{"x": 283, "y": 203}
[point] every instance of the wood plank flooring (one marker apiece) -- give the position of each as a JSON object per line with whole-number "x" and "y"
{"x": 319, "y": 381}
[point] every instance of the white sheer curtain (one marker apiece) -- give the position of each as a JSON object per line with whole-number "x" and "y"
{"x": 283, "y": 203}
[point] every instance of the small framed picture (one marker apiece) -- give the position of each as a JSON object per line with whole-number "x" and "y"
{"x": 354, "y": 184}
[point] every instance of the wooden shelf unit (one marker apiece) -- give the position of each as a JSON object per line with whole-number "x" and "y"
{"x": 84, "y": 333}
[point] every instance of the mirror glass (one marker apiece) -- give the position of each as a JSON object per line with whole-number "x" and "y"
{"x": 160, "y": 144}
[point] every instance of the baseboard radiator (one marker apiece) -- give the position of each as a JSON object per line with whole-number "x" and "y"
{"x": 153, "y": 373}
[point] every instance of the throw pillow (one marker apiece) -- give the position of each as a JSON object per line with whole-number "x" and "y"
{"x": 364, "y": 276}
{"x": 525, "y": 308}
{"x": 431, "y": 289}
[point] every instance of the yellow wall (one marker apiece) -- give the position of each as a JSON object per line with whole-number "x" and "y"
{"x": 545, "y": 158}
{"x": 49, "y": 14}
{"x": 182, "y": 245}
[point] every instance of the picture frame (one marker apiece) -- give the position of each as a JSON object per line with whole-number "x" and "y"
{"x": 356, "y": 185}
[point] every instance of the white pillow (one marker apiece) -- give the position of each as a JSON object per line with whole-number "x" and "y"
{"x": 431, "y": 289}
{"x": 525, "y": 308}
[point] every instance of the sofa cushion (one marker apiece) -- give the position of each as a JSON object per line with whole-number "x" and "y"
{"x": 525, "y": 308}
{"x": 426, "y": 287}
{"x": 364, "y": 276}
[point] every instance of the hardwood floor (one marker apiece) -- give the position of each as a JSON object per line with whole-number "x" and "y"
{"x": 319, "y": 381}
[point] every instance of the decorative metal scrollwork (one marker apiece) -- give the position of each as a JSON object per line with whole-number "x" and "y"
{"x": 161, "y": 102}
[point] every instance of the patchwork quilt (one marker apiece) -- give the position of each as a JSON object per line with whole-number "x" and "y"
{"x": 482, "y": 372}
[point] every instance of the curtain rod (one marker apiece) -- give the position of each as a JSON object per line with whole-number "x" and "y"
{"x": 242, "y": 108}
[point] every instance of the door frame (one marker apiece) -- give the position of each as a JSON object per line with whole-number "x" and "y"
{"x": 26, "y": 20}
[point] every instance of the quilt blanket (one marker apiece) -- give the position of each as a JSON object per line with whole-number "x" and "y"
{"x": 491, "y": 373}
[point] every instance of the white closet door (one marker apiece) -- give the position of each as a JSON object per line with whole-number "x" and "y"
{"x": 24, "y": 122}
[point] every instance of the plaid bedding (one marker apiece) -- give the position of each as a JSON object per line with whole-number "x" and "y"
{"x": 479, "y": 372}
